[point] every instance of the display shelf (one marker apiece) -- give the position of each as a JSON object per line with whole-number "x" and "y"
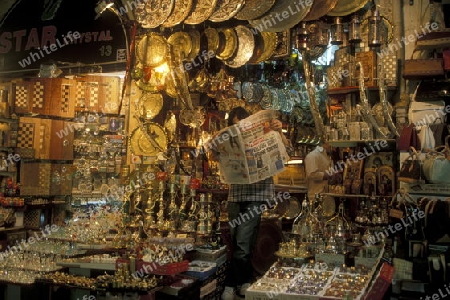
{"x": 12, "y": 228}
{"x": 8, "y": 120}
{"x": 7, "y": 173}
{"x": 436, "y": 189}
{"x": 348, "y": 195}
{"x": 90, "y": 266}
{"x": 295, "y": 189}
{"x": 354, "y": 143}
{"x": 355, "y": 89}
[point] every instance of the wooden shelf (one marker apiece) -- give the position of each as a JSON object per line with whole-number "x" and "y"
{"x": 346, "y": 195}
{"x": 12, "y": 228}
{"x": 354, "y": 143}
{"x": 355, "y": 89}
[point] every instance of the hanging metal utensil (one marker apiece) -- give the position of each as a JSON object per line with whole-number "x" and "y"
{"x": 384, "y": 103}
{"x": 318, "y": 121}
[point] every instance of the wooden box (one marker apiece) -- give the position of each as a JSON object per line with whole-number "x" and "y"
{"x": 50, "y": 139}
{"x": 98, "y": 94}
{"x": 45, "y": 96}
{"x": 45, "y": 179}
{"x": 368, "y": 60}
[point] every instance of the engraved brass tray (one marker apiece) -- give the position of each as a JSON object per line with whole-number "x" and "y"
{"x": 150, "y": 104}
{"x": 181, "y": 43}
{"x": 253, "y": 9}
{"x": 140, "y": 144}
{"x": 284, "y": 15}
{"x": 181, "y": 10}
{"x": 246, "y": 46}
{"x": 152, "y": 50}
{"x": 157, "y": 12}
{"x": 226, "y": 9}
{"x": 201, "y": 12}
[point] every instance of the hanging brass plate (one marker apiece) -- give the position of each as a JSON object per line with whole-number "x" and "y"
{"x": 150, "y": 104}
{"x": 152, "y": 49}
{"x": 253, "y": 9}
{"x": 246, "y": 46}
{"x": 226, "y": 9}
{"x": 346, "y": 7}
{"x": 284, "y": 15}
{"x": 150, "y": 145}
{"x": 181, "y": 10}
{"x": 228, "y": 43}
{"x": 202, "y": 10}
{"x": 181, "y": 43}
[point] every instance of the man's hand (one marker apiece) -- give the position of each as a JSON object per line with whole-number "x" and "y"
{"x": 276, "y": 125}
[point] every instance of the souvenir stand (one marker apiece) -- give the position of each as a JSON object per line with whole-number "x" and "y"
{"x": 109, "y": 190}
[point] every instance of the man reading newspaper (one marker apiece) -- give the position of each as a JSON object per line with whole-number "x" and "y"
{"x": 250, "y": 151}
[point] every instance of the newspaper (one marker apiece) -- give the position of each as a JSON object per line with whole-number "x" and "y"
{"x": 250, "y": 151}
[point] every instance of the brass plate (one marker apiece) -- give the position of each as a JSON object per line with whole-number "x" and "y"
{"x": 270, "y": 45}
{"x": 195, "y": 38}
{"x": 284, "y": 15}
{"x": 150, "y": 105}
{"x": 213, "y": 39}
{"x": 141, "y": 145}
{"x": 270, "y": 40}
{"x": 181, "y": 10}
{"x": 228, "y": 43}
{"x": 346, "y": 7}
{"x": 226, "y": 9}
{"x": 202, "y": 10}
{"x": 157, "y": 12}
{"x": 152, "y": 50}
{"x": 259, "y": 48}
{"x": 181, "y": 43}
{"x": 319, "y": 9}
{"x": 328, "y": 206}
{"x": 294, "y": 208}
{"x": 253, "y": 9}
{"x": 246, "y": 46}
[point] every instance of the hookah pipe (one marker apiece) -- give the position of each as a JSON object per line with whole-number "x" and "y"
{"x": 160, "y": 213}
